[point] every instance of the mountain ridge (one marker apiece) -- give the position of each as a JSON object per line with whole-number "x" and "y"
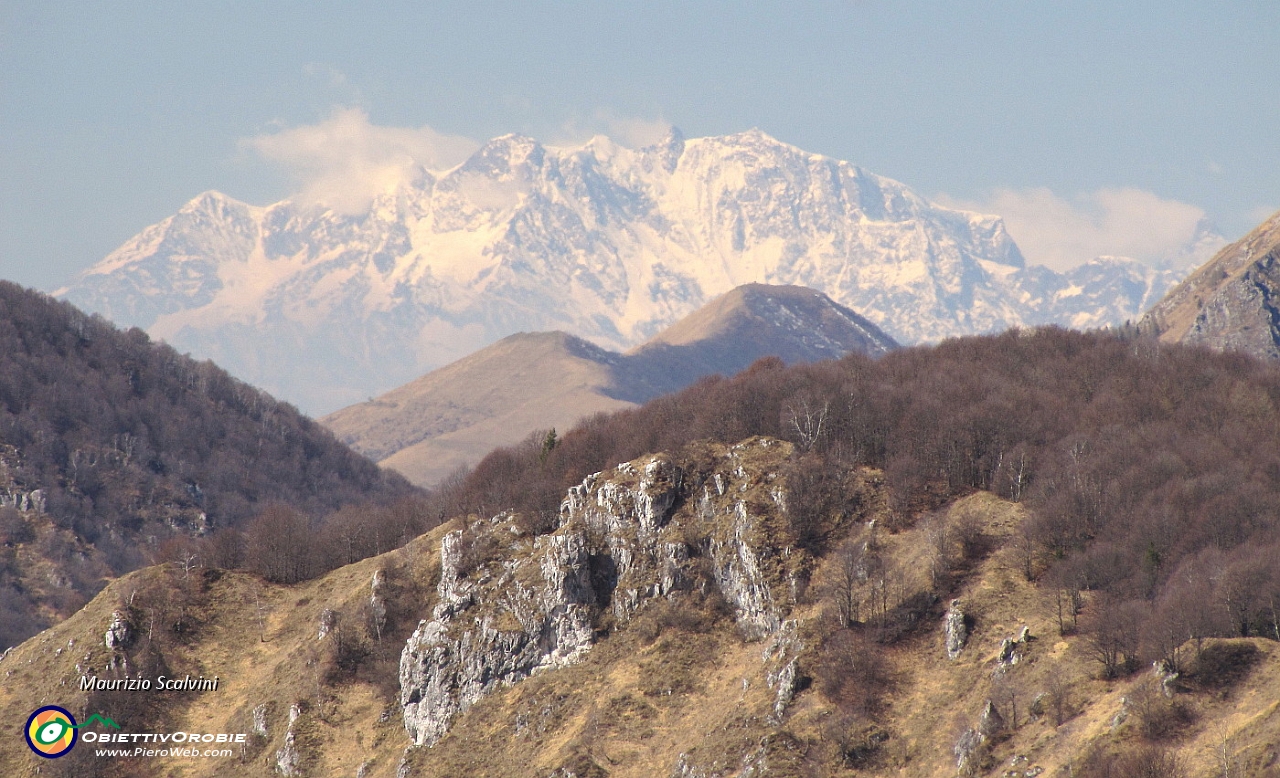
{"x": 1230, "y": 301}
{"x": 609, "y": 243}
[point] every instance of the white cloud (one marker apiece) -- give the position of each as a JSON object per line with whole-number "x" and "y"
{"x": 344, "y": 161}
{"x": 1062, "y": 233}
{"x": 629, "y": 131}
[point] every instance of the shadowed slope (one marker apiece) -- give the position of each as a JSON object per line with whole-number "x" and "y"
{"x": 536, "y": 381}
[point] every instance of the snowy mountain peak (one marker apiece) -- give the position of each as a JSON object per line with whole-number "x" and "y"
{"x": 326, "y": 307}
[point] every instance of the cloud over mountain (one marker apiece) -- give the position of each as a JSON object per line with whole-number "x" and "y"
{"x": 1062, "y": 233}
{"x": 345, "y": 161}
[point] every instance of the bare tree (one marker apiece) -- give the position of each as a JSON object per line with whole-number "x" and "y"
{"x": 847, "y": 574}
{"x": 808, "y": 419}
{"x": 1112, "y": 632}
{"x": 1005, "y": 692}
{"x": 1058, "y": 692}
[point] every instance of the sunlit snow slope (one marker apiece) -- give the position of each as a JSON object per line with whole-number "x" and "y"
{"x": 608, "y": 243}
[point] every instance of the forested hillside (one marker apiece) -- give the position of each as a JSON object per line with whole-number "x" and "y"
{"x": 965, "y": 559}
{"x": 1151, "y": 472}
{"x": 111, "y": 444}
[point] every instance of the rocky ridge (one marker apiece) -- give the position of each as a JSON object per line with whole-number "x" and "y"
{"x": 614, "y": 691}
{"x": 624, "y": 538}
{"x": 1230, "y": 303}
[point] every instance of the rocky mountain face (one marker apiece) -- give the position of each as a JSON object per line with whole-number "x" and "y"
{"x": 608, "y": 243}
{"x": 620, "y": 544}
{"x": 1230, "y": 303}
{"x": 538, "y": 381}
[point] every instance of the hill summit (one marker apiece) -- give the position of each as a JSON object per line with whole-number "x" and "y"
{"x": 538, "y": 381}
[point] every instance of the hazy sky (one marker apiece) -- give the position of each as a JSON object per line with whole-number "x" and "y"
{"x": 1095, "y": 127}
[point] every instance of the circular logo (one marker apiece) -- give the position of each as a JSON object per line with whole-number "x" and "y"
{"x": 51, "y": 731}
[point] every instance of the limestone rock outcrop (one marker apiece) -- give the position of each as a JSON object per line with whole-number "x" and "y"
{"x": 481, "y": 636}
{"x": 957, "y": 632}
{"x": 510, "y": 605}
{"x": 120, "y": 632}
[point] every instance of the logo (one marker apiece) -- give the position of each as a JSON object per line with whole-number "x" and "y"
{"x": 51, "y": 731}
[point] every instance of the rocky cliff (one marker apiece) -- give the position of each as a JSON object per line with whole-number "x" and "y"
{"x": 510, "y": 605}
{"x": 1230, "y": 303}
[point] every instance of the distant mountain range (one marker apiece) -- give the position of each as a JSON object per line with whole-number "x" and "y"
{"x": 608, "y": 243}
{"x": 534, "y": 381}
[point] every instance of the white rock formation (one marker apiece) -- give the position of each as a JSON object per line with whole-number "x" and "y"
{"x": 619, "y": 544}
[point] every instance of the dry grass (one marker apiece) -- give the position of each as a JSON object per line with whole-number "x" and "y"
{"x": 677, "y": 682}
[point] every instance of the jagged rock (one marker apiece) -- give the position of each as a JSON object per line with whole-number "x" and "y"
{"x": 1122, "y": 715}
{"x": 629, "y": 511}
{"x": 289, "y": 757}
{"x": 288, "y": 760}
{"x": 990, "y": 723}
{"x": 782, "y": 656}
{"x": 968, "y": 751}
{"x": 616, "y": 547}
{"x": 260, "y": 720}
{"x": 1168, "y": 678}
{"x": 328, "y": 621}
{"x": 377, "y": 602}
{"x": 447, "y": 664}
{"x": 1008, "y": 655}
{"x": 1024, "y": 635}
{"x": 363, "y": 770}
{"x": 956, "y": 631}
{"x": 1038, "y": 704}
{"x": 120, "y": 632}
{"x": 759, "y": 579}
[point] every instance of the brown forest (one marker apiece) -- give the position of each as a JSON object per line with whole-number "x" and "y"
{"x": 111, "y": 445}
{"x": 1152, "y": 472}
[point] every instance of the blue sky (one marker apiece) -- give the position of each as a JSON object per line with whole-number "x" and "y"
{"x": 1092, "y": 126}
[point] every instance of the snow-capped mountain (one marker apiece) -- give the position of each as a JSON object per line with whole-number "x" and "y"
{"x": 611, "y": 244}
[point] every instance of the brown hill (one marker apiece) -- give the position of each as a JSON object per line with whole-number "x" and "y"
{"x": 734, "y": 660}
{"x": 532, "y": 382}
{"x": 451, "y": 417}
{"x": 1043, "y": 553}
{"x": 1230, "y": 303}
{"x": 111, "y": 444}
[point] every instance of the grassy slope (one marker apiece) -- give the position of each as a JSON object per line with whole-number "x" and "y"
{"x": 652, "y": 691}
